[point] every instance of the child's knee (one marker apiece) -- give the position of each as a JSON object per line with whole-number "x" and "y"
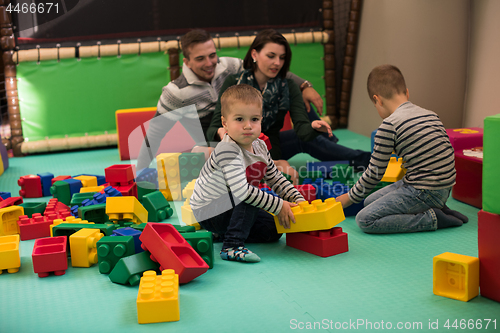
{"x": 365, "y": 223}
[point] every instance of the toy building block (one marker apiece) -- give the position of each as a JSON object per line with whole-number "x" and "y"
{"x": 188, "y": 216}
{"x": 144, "y": 188}
{"x": 31, "y": 208}
{"x": 190, "y": 165}
{"x": 202, "y": 243}
{"x": 37, "y": 226}
{"x": 128, "y": 270}
{"x": 46, "y": 180}
{"x": 84, "y": 247}
{"x": 468, "y": 186}
{"x": 126, "y": 209}
{"x": 187, "y": 191}
{"x": 8, "y": 220}
{"x": 50, "y": 256}
{"x": 87, "y": 181}
{"x": 147, "y": 175}
{"x": 455, "y": 276}
{"x": 171, "y": 250}
{"x": 61, "y": 191}
{"x": 491, "y": 161}
{"x": 313, "y": 175}
{"x": 92, "y": 189}
{"x": 169, "y": 175}
{"x": 111, "y": 249}
{"x": 11, "y": 201}
{"x": 266, "y": 140}
{"x": 464, "y": 138}
{"x": 94, "y": 213}
{"x": 395, "y": 170}
{"x": 158, "y": 297}
{"x": 325, "y": 243}
{"x": 317, "y": 215}
{"x": 4, "y": 195}
{"x": 325, "y": 167}
{"x": 9, "y": 253}
{"x": 99, "y": 178}
{"x": 184, "y": 228}
{"x": 31, "y": 186}
{"x": 68, "y": 229}
{"x": 134, "y": 233}
{"x": 157, "y": 206}
{"x": 269, "y": 191}
{"x": 342, "y": 173}
{"x": 120, "y": 174}
{"x": 78, "y": 198}
{"x": 56, "y": 210}
{"x": 59, "y": 178}
{"x": 127, "y": 190}
{"x": 489, "y": 254}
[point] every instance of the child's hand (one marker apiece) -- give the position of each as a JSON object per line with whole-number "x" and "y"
{"x": 285, "y": 215}
{"x": 344, "y": 200}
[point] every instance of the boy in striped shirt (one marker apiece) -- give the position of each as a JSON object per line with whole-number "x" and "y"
{"x": 226, "y": 199}
{"x": 418, "y": 201}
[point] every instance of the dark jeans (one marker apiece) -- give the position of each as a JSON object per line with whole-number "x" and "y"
{"x": 243, "y": 223}
{"x": 322, "y": 147}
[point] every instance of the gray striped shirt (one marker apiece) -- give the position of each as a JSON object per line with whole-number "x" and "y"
{"x": 418, "y": 136}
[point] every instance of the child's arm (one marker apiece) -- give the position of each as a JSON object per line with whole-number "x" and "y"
{"x": 344, "y": 200}
{"x": 279, "y": 184}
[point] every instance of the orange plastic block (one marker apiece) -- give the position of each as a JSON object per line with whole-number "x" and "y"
{"x": 87, "y": 181}
{"x": 126, "y": 209}
{"x": 83, "y": 245}
{"x": 158, "y": 297}
{"x": 8, "y": 220}
{"x": 317, "y": 215}
{"x": 456, "y": 276}
{"x": 187, "y": 191}
{"x": 188, "y": 216}
{"x": 169, "y": 178}
{"x": 394, "y": 171}
{"x": 91, "y": 189}
{"x": 9, "y": 253}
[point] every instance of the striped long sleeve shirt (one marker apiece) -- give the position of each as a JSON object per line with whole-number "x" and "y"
{"x": 418, "y": 136}
{"x": 231, "y": 170}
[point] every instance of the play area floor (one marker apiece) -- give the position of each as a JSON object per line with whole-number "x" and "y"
{"x": 383, "y": 282}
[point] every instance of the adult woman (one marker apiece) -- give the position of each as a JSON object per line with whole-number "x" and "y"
{"x": 266, "y": 65}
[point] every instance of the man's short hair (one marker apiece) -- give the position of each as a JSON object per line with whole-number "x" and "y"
{"x": 385, "y": 81}
{"x": 195, "y": 36}
{"x": 242, "y": 93}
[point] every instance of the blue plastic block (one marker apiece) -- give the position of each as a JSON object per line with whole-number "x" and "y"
{"x": 148, "y": 175}
{"x": 74, "y": 210}
{"x": 74, "y": 185}
{"x": 269, "y": 191}
{"x": 324, "y": 167}
{"x": 5, "y": 195}
{"x": 130, "y": 232}
{"x": 110, "y": 191}
{"x": 46, "y": 179}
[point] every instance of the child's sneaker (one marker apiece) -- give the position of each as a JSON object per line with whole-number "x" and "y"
{"x": 239, "y": 254}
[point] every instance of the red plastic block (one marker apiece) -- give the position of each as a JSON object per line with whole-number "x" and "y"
{"x": 37, "y": 226}
{"x": 31, "y": 186}
{"x": 469, "y": 181}
{"x": 120, "y": 174}
{"x": 465, "y": 138}
{"x": 127, "y": 190}
{"x": 12, "y": 201}
{"x": 266, "y": 140}
{"x": 58, "y": 178}
{"x": 49, "y": 255}
{"x": 172, "y": 251}
{"x": 489, "y": 254}
{"x": 308, "y": 192}
{"x": 325, "y": 243}
{"x": 56, "y": 210}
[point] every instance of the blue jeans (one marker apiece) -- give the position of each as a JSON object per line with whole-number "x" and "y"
{"x": 400, "y": 207}
{"x": 243, "y": 223}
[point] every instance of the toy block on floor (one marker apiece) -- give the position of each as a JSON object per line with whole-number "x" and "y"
{"x": 342, "y": 173}
{"x": 31, "y": 186}
{"x": 84, "y": 247}
{"x": 469, "y": 180}
{"x": 202, "y": 243}
{"x": 325, "y": 243}
{"x": 50, "y": 256}
{"x": 491, "y": 161}
{"x": 171, "y": 250}
{"x": 99, "y": 178}
{"x": 94, "y": 213}
{"x": 158, "y": 297}
{"x": 78, "y": 198}
{"x": 120, "y": 174}
{"x": 56, "y": 209}
{"x": 147, "y": 175}
{"x": 190, "y": 165}
{"x": 127, "y": 190}
{"x": 110, "y": 249}
{"x": 8, "y": 220}
{"x": 143, "y": 188}
{"x": 9, "y": 254}
{"x": 185, "y": 228}
{"x": 126, "y": 209}
{"x": 188, "y": 216}
{"x": 68, "y": 229}
{"x": 128, "y": 270}
{"x": 169, "y": 174}
{"x": 308, "y": 192}
{"x": 4, "y": 195}
{"x": 92, "y": 189}
{"x": 187, "y": 191}
{"x": 46, "y": 180}
{"x": 61, "y": 191}
{"x": 12, "y": 201}
{"x": 489, "y": 254}
{"x": 313, "y": 175}
{"x": 394, "y": 171}
{"x": 157, "y": 206}
{"x": 38, "y": 226}
{"x": 325, "y": 167}
{"x": 87, "y": 181}
{"x": 317, "y": 215}
{"x": 133, "y": 233}
{"x": 59, "y": 178}
{"x": 464, "y": 138}
{"x": 456, "y": 276}
{"x": 31, "y": 208}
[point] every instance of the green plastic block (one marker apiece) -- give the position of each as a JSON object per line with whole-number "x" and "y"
{"x": 129, "y": 270}
{"x": 110, "y": 249}
{"x": 202, "y": 243}
{"x": 31, "y": 208}
{"x": 144, "y": 188}
{"x": 61, "y": 191}
{"x": 190, "y": 165}
{"x": 184, "y": 228}
{"x": 78, "y": 198}
{"x": 491, "y": 161}
{"x": 139, "y": 226}
{"x": 94, "y": 213}
{"x": 341, "y": 173}
{"x": 157, "y": 206}
{"x": 68, "y": 229}
{"x": 309, "y": 174}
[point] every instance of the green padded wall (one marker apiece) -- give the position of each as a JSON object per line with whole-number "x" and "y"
{"x": 74, "y": 97}
{"x": 491, "y": 161}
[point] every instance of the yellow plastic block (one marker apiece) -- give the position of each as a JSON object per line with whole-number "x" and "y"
{"x": 188, "y": 216}
{"x": 158, "y": 297}
{"x": 69, "y": 219}
{"x": 9, "y": 253}
{"x": 167, "y": 165}
{"x": 126, "y": 209}
{"x": 91, "y": 189}
{"x": 394, "y": 171}
{"x": 317, "y": 215}
{"x": 187, "y": 192}
{"x": 87, "y": 181}
{"x": 456, "y": 276}
{"x": 8, "y": 220}
{"x": 83, "y": 247}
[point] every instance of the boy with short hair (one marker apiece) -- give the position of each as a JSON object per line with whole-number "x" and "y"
{"x": 226, "y": 199}
{"x": 418, "y": 201}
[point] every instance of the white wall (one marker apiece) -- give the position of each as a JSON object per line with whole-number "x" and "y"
{"x": 428, "y": 41}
